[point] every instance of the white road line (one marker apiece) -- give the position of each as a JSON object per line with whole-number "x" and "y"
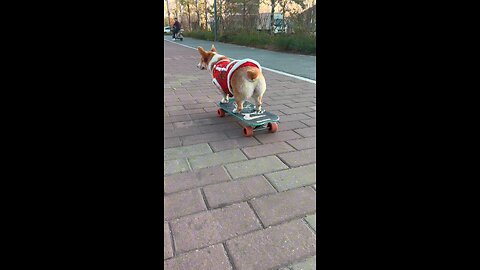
{"x": 269, "y": 69}
{"x": 180, "y": 44}
{"x": 291, "y": 75}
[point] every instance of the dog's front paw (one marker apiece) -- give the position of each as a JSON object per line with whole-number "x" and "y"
{"x": 224, "y": 100}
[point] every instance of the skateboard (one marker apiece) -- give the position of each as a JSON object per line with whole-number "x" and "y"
{"x": 255, "y": 121}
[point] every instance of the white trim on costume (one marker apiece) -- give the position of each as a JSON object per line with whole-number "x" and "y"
{"x": 215, "y": 82}
{"x": 239, "y": 63}
{"x": 214, "y": 60}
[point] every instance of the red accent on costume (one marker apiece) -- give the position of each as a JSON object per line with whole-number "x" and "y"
{"x": 220, "y": 72}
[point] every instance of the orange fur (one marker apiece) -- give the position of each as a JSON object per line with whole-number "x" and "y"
{"x": 253, "y": 74}
{"x": 206, "y": 56}
{"x": 238, "y": 81}
{"x": 247, "y": 82}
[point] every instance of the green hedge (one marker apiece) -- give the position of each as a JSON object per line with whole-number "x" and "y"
{"x": 297, "y": 43}
{"x": 206, "y": 35}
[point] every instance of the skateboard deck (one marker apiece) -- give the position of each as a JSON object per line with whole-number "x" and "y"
{"x": 250, "y": 117}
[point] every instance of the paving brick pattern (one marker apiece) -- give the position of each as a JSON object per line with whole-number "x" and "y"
{"x": 167, "y": 242}
{"x": 255, "y": 166}
{"x": 212, "y": 227}
{"x": 183, "y": 203}
{"x": 312, "y": 221}
{"x": 218, "y": 158}
{"x": 236, "y": 191}
{"x": 232, "y": 202}
{"x": 233, "y": 143}
{"x": 175, "y": 166}
{"x": 196, "y": 178}
{"x": 304, "y": 143}
{"x": 308, "y": 264}
{"x": 186, "y": 151}
{"x": 284, "y": 206}
{"x": 272, "y": 247}
{"x": 267, "y": 149}
{"x": 212, "y": 258}
{"x": 293, "y": 178}
{"x": 298, "y": 158}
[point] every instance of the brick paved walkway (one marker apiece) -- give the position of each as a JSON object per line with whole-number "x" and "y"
{"x": 233, "y": 202}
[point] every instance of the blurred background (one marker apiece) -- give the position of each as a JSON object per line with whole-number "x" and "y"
{"x": 282, "y": 25}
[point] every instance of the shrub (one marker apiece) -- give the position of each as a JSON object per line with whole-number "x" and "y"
{"x": 298, "y": 43}
{"x": 205, "y": 35}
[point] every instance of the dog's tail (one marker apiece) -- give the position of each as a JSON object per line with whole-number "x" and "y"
{"x": 253, "y": 74}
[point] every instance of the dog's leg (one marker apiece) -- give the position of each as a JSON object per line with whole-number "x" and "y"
{"x": 219, "y": 88}
{"x": 258, "y": 104}
{"x": 258, "y": 95}
{"x": 225, "y": 98}
{"x": 239, "y": 107}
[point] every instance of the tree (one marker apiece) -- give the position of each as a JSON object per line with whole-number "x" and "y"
{"x": 286, "y": 5}
{"x": 229, "y": 11}
{"x": 198, "y": 13}
{"x": 271, "y": 16}
{"x": 206, "y": 15}
{"x": 220, "y": 11}
{"x": 168, "y": 12}
{"x": 188, "y": 10}
{"x": 247, "y": 7}
{"x": 202, "y": 13}
{"x": 177, "y": 8}
{"x": 186, "y": 3}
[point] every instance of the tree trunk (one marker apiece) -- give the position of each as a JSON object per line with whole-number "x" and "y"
{"x": 189, "y": 23}
{"x": 244, "y": 13}
{"x": 198, "y": 13}
{"x": 168, "y": 12}
{"x": 271, "y": 16}
{"x": 206, "y": 15}
{"x": 180, "y": 10}
{"x": 219, "y": 14}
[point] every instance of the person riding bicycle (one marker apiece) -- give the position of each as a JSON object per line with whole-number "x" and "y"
{"x": 176, "y": 28}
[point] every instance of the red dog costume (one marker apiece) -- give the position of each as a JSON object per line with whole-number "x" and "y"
{"x": 224, "y": 69}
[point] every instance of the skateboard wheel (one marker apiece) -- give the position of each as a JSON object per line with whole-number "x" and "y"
{"x": 273, "y": 127}
{"x": 247, "y": 131}
{"x": 221, "y": 113}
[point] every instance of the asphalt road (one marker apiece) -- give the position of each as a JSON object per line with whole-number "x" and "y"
{"x": 295, "y": 64}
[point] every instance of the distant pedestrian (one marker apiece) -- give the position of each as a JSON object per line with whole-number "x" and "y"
{"x": 176, "y": 28}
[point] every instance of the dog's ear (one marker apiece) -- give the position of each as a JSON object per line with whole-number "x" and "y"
{"x": 202, "y": 51}
{"x": 213, "y": 49}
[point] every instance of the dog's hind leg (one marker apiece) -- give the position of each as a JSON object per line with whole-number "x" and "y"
{"x": 258, "y": 103}
{"x": 258, "y": 94}
{"x": 239, "y": 107}
{"x": 225, "y": 98}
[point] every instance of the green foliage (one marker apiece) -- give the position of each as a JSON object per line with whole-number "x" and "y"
{"x": 297, "y": 43}
{"x": 205, "y": 35}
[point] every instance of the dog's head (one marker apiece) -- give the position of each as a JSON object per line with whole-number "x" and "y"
{"x": 205, "y": 57}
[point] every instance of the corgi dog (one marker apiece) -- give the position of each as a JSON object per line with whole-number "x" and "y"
{"x": 241, "y": 79}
